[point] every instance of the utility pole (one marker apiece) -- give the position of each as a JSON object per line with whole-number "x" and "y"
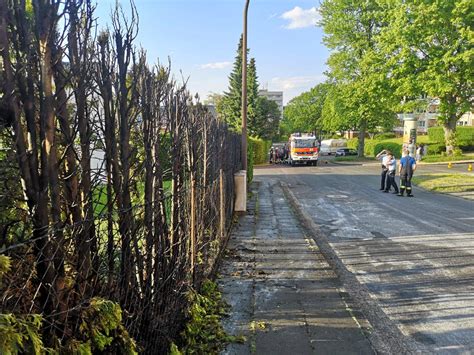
{"x": 244, "y": 88}
{"x": 240, "y": 178}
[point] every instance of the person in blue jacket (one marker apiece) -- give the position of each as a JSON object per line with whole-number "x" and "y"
{"x": 406, "y": 169}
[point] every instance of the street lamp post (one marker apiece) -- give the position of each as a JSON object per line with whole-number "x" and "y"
{"x": 240, "y": 177}
{"x": 244, "y": 88}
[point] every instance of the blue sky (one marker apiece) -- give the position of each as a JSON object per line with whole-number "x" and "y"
{"x": 201, "y": 36}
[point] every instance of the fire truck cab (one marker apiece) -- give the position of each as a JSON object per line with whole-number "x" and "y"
{"x": 303, "y": 149}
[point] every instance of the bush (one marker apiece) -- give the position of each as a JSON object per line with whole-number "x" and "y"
{"x": 436, "y": 134}
{"x": 372, "y": 146}
{"x": 464, "y": 136}
{"x": 383, "y": 136}
{"x": 353, "y": 143}
{"x": 436, "y": 148}
{"x": 203, "y": 333}
{"x": 257, "y": 153}
{"x": 395, "y": 148}
{"x": 369, "y": 147}
{"x": 260, "y": 149}
{"x": 249, "y": 161}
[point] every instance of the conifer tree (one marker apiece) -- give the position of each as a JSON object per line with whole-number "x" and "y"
{"x": 230, "y": 107}
{"x": 254, "y": 127}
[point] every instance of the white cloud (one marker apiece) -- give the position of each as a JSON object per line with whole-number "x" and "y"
{"x": 295, "y": 85}
{"x": 295, "y": 82}
{"x": 216, "y": 65}
{"x": 301, "y": 18}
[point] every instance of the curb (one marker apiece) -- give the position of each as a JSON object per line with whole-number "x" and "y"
{"x": 346, "y": 163}
{"x": 446, "y": 162}
{"x": 384, "y": 335}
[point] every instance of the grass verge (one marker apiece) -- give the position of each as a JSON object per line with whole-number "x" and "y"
{"x": 445, "y": 182}
{"x": 442, "y": 159}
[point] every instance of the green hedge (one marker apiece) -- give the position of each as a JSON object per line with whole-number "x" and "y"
{"x": 260, "y": 149}
{"x": 383, "y": 136}
{"x": 395, "y": 148}
{"x": 369, "y": 145}
{"x": 373, "y": 147}
{"x": 352, "y": 143}
{"x": 436, "y": 134}
{"x": 464, "y": 136}
{"x": 257, "y": 153}
{"x": 436, "y": 148}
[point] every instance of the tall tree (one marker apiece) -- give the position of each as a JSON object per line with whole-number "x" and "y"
{"x": 303, "y": 113}
{"x": 336, "y": 116}
{"x": 268, "y": 118}
{"x": 229, "y": 107}
{"x": 430, "y": 50}
{"x": 252, "y": 98}
{"x": 351, "y": 27}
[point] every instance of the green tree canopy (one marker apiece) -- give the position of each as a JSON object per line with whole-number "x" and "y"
{"x": 303, "y": 113}
{"x": 429, "y": 47}
{"x": 356, "y": 64}
{"x": 262, "y": 115}
{"x": 268, "y": 119}
{"x": 230, "y": 106}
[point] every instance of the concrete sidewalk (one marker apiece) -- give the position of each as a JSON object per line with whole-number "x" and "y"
{"x": 285, "y": 298}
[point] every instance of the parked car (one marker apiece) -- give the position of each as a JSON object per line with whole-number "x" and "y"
{"x": 330, "y": 146}
{"x": 345, "y": 151}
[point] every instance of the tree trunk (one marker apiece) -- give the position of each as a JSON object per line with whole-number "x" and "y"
{"x": 78, "y": 47}
{"x": 45, "y": 17}
{"x": 113, "y": 177}
{"x": 28, "y": 164}
{"x": 449, "y": 127}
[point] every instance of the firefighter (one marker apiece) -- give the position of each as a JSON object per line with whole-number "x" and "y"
{"x": 391, "y": 165}
{"x": 383, "y": 157}
{"x": 406, "y": 169}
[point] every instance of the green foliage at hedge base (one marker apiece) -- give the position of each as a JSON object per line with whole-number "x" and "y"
{"x": 102, "y": 328}
{"x": 101, "y": 331}
{"x": 5, "y": 265}
{"x": 21, "y": 335}
{"x": 203, "y": 333}
{"x": 436, "y": 148}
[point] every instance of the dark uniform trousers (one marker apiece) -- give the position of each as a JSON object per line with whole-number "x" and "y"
{"x": 405, "y": 183}
{"x": 391, "y": 181}
{"x": 406, "y": 174}
{"x": 384, "y": 177}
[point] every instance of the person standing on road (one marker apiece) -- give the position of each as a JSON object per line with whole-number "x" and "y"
{"x": 406, "y": 169}
{"x": 418, "y": 153}
{"x": 391, "y": 165}
{"x": 383, "y": 156}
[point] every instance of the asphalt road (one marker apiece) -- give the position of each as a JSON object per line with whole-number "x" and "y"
{"x": 415, "y": 256}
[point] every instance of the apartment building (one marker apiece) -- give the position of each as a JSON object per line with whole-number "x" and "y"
{"x": 276, "y": 96}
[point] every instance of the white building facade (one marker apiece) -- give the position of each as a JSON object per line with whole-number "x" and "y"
{"x": 276, "y": 96}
